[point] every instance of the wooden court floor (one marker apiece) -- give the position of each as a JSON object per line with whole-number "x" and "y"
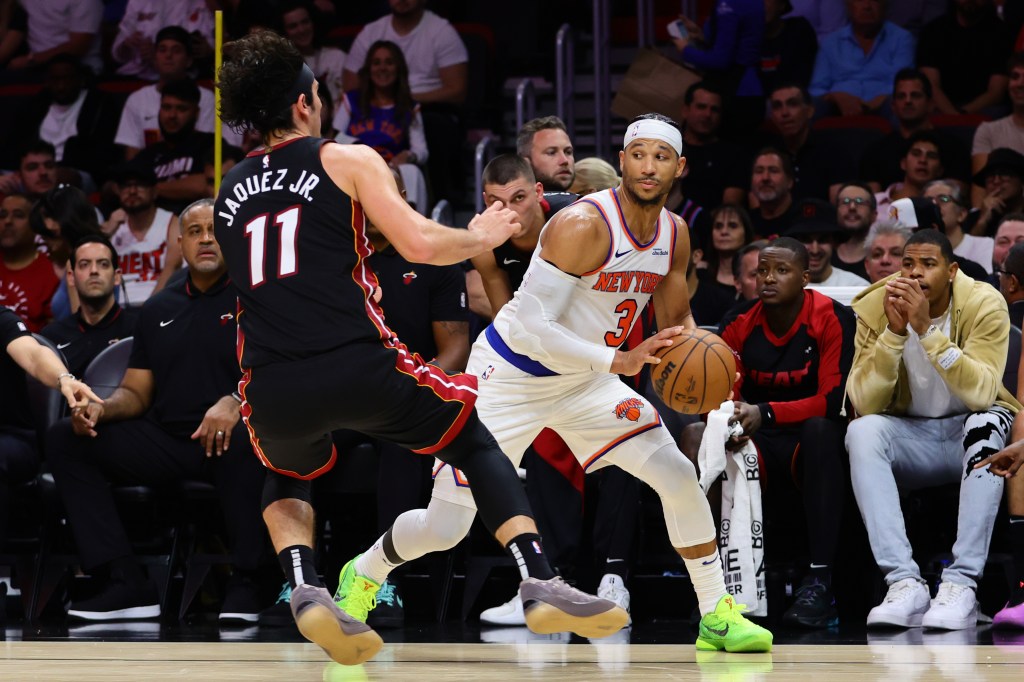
{"x": 85, "y": 661}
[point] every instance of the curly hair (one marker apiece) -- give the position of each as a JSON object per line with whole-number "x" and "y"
{"x": 258, "y": 69}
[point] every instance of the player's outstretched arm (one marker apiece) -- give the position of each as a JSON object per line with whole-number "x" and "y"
{"x": 360, "y": 172}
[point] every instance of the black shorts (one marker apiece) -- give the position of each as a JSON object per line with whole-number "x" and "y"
{"x": 385, "y": 392}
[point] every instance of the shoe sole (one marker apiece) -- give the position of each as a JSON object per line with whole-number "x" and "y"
{"x": 545, "y": 619}
{"x": 134, "y": 613}
{"x": 247, "y": 618}
{"x": 944, "y": 624}
{"x": 751, "y": 645}
{"x": 503, "y": 622}
{"x": 883, "y": 622}
{"x": 319, "y": 625}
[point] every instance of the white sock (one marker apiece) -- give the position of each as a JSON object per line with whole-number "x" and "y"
{"x": 374, "y": 564}
{"x": 708, "y": 581}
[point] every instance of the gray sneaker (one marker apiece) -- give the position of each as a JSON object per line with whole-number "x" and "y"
{"x": 553, "y": 606}
{"x": 345, "y": 640}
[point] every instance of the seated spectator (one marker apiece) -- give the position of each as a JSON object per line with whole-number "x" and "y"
{"x": 884, "y": 249}
{"x": 1003, "y": 179}
{"x": 61, "y": 217}
{"x": 37, "y": 171}
{"x": 912, "y": 107}
{"x": 819, "y": 165}
{"x": 1009, "y": 233}
{"x": 789, "y": 46}
{"x": 919, "y": 213}
{"x": 856, "y": 65}
{"x": 305, "y": 26}
{"x": 174, "y": 411}
{"x": 438, "y": 77}
{"x": 545, "y": 143}
{"x": 27, "y": 280}
{"x": 930, "y": 409}
{"x": 715, "y": 168}
{"x": 13, "y": 33}
{"x": 794, "y": 347}
{"x": 922, "y": 163}
{"x": 61, "y": 27}
{"x": 1003, "y": 133}
{"x": 19, "y": 458}
{"x": 1011, "y": 284}
{"x": 947, "y": 196}
{"x": 771, "y": 184}
{"x": 744, "y": 270}
{"x": 964, "y": 55}
{"x": 139, "y": 125}
{"x": 593, "y": 175}
{"x": 728, "y": 52}
{"x": 708, "y": 303}
{"x": 76, "y": 118}
{"x": 856, "y": 211}
{"x": 136, "y": 44}
{"x": 816, "y": 228}
{"x": 100, "y": 321}
{"x": 230, "y": 155}
{"x": 383, "y": 115}
{"x": 177, "y": 158}
{"x": 144, "y": 235}
{"x": 731, "y": 230}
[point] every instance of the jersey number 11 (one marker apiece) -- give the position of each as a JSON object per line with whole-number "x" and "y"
{"x": 256, "y": 231}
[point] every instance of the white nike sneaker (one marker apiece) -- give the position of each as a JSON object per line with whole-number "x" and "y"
{"x": 904, "y": 605}
{"x": 509, "y": 613}
{"x": 614, "y": 589}
{"x": 954, "y": 608}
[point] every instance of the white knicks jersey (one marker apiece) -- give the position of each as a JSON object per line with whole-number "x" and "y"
{"x": 607, "y": 301}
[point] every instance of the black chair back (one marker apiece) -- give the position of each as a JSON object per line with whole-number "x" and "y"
{"x": 106, "y": 370}
{"x": 1012, "y": 360}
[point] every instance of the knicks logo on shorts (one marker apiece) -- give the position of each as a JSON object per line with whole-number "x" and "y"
{"x": 629, "y": 409}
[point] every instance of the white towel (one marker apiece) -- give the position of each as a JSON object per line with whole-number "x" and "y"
{"x": 742, "y": 552}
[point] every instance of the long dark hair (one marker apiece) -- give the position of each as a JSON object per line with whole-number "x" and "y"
{"x": 70, "y": 208}
{"x": 404, "y": 103}
{"x": 711, "y": 254}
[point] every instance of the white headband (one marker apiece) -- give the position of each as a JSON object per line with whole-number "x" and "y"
{"x": 653, "y": 129}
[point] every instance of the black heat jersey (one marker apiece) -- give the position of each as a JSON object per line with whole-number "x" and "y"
{"x": 801, "y": 374}
{"x": 296, "y": 249}
{"x": 512, "y": 260}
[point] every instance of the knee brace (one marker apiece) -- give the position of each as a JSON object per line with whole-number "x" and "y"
{"x": 440, "y": 526}
{"x": 687, "y": 514}
{"x": 280, "y": 487}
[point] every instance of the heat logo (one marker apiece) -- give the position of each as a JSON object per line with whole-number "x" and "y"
{"x": 408, "y": 277}
{"x": 629, "y": 409}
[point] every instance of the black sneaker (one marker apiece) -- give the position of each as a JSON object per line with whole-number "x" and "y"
{"x": 119, "y": 601}
{"x": 241, "y": 601}
{"x": 280, "y": 614}
{"x": 815, "y": 606}
{"x": 390, "y": 612}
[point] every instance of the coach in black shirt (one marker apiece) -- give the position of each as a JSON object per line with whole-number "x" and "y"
{"x": 99, "y": 321}
{"x": 173, "y": 417}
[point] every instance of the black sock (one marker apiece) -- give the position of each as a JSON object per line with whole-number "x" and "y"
{"x": 821, "y": 573}
{"x": 529, "y": 556}
{"x": 619, "y": 567}
{"x": 298, "y": 566}
{"x": 1017, "y": 547}
{"x": 127, "y": 569}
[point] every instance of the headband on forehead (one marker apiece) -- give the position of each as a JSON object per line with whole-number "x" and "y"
{"x": 653, "y": 129}
{"x": 303, "y": 85}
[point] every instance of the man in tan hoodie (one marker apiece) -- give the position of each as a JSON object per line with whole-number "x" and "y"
{"x": 926, "y": 383}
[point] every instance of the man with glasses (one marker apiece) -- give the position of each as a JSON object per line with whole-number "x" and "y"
{"x": 946, "y": 194}
{"x": 856, "y": 210}
{"x": 1003, "y": 180}
{"x": 1009, "y": 233}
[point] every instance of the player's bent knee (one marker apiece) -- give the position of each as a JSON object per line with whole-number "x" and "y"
{"x": 448, "y": 523}
{"x": 672, "y": 475}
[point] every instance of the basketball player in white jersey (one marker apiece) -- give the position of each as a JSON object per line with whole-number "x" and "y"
{"x": 550, "y": 359}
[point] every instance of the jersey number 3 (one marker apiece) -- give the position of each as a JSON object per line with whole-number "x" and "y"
{"x": 256, "y": 231}
{"x": 627, "y": 310}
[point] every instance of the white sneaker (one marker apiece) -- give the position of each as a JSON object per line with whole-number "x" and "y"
{"x": 904, "y": 605}
{"x": 613, "y": 589}
{"x": 954, "y": 608}
{"x": 509, "y": 613}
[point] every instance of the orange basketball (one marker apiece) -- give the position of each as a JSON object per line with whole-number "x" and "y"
{"x": 696, "y": 372}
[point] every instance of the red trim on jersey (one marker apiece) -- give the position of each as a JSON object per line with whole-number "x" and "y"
{"x": 622, "y": 439}
{"x": 363, "y": 275}
{"x": 629, "y": 234}
{"x": 611, "y": 237}
{"x": 260, "y": 151}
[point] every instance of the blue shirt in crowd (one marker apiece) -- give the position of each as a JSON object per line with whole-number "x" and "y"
{"x": 842, "y": 66}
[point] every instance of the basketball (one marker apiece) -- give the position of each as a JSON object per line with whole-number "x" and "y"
{"x": 696, "y": 372}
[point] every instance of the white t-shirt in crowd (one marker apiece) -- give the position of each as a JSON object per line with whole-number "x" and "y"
{"x": 148, "y": 17}
{"x": 843, "y": 278}
{"x": 1002, "y": 132}
{"x": 977, "y": 249}
{"x": 327, "y": 64}
{"x": 50, "y": 23}
{"x": 140, "y": 125}
{"x": 431, "y": 46}
{"x": 929, "y": 393}
{"x": 61, "y": 123}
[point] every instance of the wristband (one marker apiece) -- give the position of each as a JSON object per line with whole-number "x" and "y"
{"x": 237, "y": 397}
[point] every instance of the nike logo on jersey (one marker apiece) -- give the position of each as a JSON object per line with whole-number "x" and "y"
{"x": 164, "y": 324}
{"x": 510, "y": 261}
{"x": 62, "y": 346}
{"x": 624, "y": 253}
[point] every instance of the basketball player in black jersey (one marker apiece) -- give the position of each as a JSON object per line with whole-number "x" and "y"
{"x": 317, "y": 355}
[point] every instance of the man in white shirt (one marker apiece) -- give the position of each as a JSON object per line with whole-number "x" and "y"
{"x": 946, "y": 194}
{"x": 59, "y": 26}
{"x": 135, "y": 43}
{"x": 139, "y": 126}
{"x": 817, "y": 229}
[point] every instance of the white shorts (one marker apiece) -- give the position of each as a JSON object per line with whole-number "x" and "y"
{"x": 600, "y": 418}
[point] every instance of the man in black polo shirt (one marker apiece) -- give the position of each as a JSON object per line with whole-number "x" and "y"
{"x": 99, "y": 321}
{"x": 174, "y": 416}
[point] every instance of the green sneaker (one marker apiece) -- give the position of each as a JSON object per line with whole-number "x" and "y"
{"x": 726, "y": 628}
{"x": 355, "y": 595}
